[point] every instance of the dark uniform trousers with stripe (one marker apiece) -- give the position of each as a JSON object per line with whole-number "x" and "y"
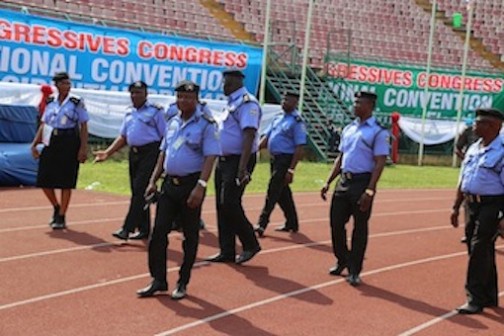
{"x": 345, "y": 205}
{"x": 231, "y": 217}
{"x": 481, "y": 233}
{"x": 172, "y": 204}
{"x": 279, "y": 192}
{"x": 142, "y": 161}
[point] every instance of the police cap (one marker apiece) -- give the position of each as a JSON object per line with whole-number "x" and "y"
{"x": 294, "y": 94}
{"x": 233, "y": 73}
{"x": 60, "y": 76}
{"x": 187, "y": 86}
{"x": 137, "y": 85}
{"x": 490, "y": 112}
{"x": 364, "y": 94}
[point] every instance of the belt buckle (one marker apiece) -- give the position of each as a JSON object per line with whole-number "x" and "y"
{"x": 348, "y": 176}
{"x": 55, "y": 131}
{"x": 478, "y": 199}
{"x": 175, "y": 181}
{"x": 135, "y": 150}
{"x": 222, "y": 158}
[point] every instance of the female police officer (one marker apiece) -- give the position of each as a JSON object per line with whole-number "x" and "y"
{"x": 64, "y": 133}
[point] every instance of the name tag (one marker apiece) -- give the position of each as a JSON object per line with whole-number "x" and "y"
{"x": 178, "y": 142}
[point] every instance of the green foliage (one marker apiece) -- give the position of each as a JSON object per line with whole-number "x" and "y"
{"x": 112, "y": 176}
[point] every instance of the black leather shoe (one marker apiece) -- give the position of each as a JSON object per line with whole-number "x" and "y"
{"x": 55, "y": 214}
{"x": 180, "y": 292}
{"x": 353, "y": 280}
{"x": 337, "y": 270}
{"x": 139, "y": 236}
{"x": 260, "y": 231}
{"x": 283, "y": 229}
{"x": 469, "y": 309}
{"x": 121, "y": 234}
{"x": 155, "y": 286}
{"x": 59, "y": 223}
{"x": 201, "y": 224}
{"x": 247, "y": 255}
{"x": 220, "y": 258}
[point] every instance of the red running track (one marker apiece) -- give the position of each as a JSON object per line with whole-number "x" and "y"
{"x": 82, "y": 281}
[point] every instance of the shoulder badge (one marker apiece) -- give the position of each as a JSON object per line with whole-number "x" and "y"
{"x": 298, "y": 118}
{"x": 49, "y": 99}
{"x": 246, "y": 98}
{"x": 75, "y": 100}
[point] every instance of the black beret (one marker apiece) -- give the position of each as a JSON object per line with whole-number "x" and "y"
{"x": 291, "y": 94}
{"x": 365, "y": 94}
{"x": 137, "y": 85}
{"x": 60, "y": 76}
{"x": 490, "y": 112}
{"x": 233, "y": 73}
{"x": 187, "y": 86}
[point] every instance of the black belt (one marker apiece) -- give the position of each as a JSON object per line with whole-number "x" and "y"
{"x": 472, "y": 198}
{"x": 147, "y": 147}
{"x": 229, "y": 157}
{"x": 352, "y": 176}
{"x": 64, "y": 131}
{"x": 181, "y": 180}
{"x": 281, "y": 155}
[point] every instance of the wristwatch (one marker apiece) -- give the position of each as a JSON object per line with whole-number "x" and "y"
{"x": 202, "y": 183}
{"x": 369, "y": 192}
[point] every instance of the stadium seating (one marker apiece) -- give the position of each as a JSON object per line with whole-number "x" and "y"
{"x": 487, "y": 20}
{"x": 391, "y": 30}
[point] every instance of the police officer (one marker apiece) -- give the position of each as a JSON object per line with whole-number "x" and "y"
{"x": 142, "y": 130}
{"x": 284, "y": 139}
{"x": 482, "y": 187}
{"x": 466, "y": 138}
{"x": 65, "y": 134}
{"x": 240, "y": 142}
{"x": 172, "y": 111}
{"x": 364, "y": 148}
{"x": 188, "y": 153}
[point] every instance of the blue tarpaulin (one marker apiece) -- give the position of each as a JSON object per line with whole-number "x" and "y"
{"x": 17, "y": 166}
{"x": 17, "y": 123}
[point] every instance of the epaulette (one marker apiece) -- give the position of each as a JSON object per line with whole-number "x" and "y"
{"x": 246, "y": 98}
{"x": 50, "y": 99}
{"x": 202, "y": 103}
{"x": 75, "y": 100}
{"x": 380, "y": 125}
{"x": 158, "y": 106}
{"x": 208, "y": 118}
{"x": 298, "y": 118}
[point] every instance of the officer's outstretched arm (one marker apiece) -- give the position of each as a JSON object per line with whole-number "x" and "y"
{"x": 103, "y": 155}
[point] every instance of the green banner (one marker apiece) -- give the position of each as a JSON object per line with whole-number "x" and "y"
{"x": 401, "y": 88}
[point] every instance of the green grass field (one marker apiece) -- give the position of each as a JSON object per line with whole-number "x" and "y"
{"x": 112, "y": 176}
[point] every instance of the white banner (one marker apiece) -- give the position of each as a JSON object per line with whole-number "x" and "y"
{"x": 107, "y": 108}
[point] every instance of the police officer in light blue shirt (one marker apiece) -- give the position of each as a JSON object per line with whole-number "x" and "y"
{"x": 240, "y": 141}
{"x": 481, "y": 185}
{"x": 65, "y": 134}
{"x": 364, "y": 148}
{"x": 188, "y": 152}
{"x": 142, "y": 130}
{"x": 285, "y": 138}
{"x": 172, "y": 111}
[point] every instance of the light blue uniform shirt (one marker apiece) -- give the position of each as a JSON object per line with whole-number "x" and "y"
{"x": 482, "y": 170}
{"x": 186, "y": 144}
{"x": 173, "y": 109}
{"x": 360, "y": 143}
{"x": 67, "y": 115}
{"x": 144, "y": 125}
{"x": 243, "y": 111}
{"x": 285, "y": 133}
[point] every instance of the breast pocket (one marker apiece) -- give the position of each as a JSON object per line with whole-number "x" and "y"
{"x": 194, "y": 140}
{"x": 492, "y": 161}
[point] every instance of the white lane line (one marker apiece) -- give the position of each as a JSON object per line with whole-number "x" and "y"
{"x": 139, "y": 276}
{"x": 89, "y": 221}
{"x": 432, "y": 322}
{"x": 260, "y": 195}
{"x": 302, "y": 291}
{"x": 213, "y": 230}
{"x": 209, "y": 212}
